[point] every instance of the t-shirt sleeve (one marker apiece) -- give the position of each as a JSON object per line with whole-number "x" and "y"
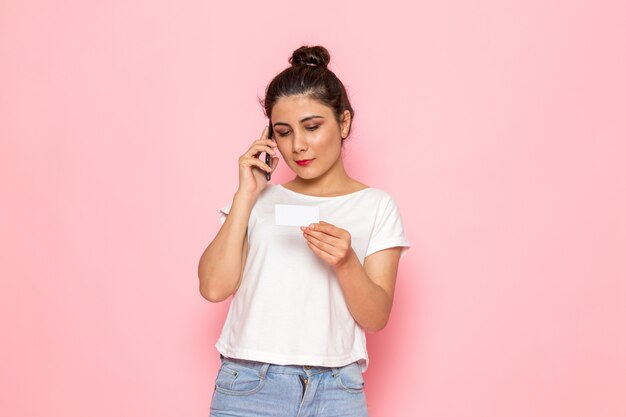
{"x": 224, "y": 211}
{"x": 388, "y": 229}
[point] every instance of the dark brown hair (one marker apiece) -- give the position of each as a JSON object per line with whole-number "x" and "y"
{"x": 309, "y": 75}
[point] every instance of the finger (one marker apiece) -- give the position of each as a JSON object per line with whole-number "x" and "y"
{"x": 324, "y": 247}
{"x": 264, "y": 133}
{"x": 257, "y": 162}
{"x": 328, "y": 228}
{"x": 316, "y": 250}
{"x": 256, "y": 150}
{"x": 264, "y": 140}
{"x": 274, "y": 163}
{"x": 323, "y": 236}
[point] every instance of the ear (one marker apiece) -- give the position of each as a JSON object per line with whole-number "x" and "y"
{"x": 345, "y": 124}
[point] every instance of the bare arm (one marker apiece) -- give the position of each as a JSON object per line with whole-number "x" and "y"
{"x": 221, "y": 264}
{"x": 369, "y": 289}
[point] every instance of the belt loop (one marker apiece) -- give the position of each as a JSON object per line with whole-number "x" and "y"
{"x": 264, "y": 369}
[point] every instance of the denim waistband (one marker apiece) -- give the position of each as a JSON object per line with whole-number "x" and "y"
{"x": 282, "y": 369}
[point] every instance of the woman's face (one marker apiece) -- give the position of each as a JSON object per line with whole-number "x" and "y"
{"x": 305, "y": 129}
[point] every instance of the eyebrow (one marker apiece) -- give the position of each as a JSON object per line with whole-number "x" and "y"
{"x": 301, "y": 121}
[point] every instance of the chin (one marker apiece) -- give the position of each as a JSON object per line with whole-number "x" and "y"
{"x": 307, "y": 175}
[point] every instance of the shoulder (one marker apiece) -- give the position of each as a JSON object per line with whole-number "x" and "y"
{"x": 380, "y": 195}
{"x": 382, "y": 204}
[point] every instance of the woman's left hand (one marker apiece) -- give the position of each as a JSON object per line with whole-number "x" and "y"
{"x": 329, "y": 242}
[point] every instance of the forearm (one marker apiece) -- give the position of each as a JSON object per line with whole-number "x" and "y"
{"x": 368, "y": 303}
{"x": 220, "y": 266}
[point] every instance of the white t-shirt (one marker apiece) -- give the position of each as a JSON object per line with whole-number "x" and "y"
{"x": 289, "y": 308}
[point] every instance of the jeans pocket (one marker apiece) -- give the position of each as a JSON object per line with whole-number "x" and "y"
{"x": 350, "y": 378}
{"x": 235, "y": 379}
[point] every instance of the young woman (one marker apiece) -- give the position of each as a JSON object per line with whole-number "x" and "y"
{"x": 293, "y": 343}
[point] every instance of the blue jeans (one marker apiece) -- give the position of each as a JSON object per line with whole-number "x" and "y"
{"x": 245, "y": 388}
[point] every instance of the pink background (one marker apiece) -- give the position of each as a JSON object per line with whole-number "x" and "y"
{"x": 498, "y": 126}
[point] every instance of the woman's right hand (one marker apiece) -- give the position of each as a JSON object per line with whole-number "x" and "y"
{"x": 252, "y": 169}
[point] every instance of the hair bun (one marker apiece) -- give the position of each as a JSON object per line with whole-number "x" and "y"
{"x": 310, "y": 55}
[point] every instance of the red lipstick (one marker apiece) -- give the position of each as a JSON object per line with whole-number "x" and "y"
{"x": 304, "y": 162}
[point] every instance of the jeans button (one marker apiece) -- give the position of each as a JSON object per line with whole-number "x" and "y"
{"x": 307, "y": 367}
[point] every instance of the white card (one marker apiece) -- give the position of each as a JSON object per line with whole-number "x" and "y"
{"x": 296, "y": 215}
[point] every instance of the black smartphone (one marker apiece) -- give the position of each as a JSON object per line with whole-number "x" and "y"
{"x": 268, "y": 159}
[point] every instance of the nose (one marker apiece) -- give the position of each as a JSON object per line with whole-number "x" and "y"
{"x": 299, "y": 143}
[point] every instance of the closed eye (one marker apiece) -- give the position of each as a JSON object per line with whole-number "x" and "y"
{"x": 309, "y": 128}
